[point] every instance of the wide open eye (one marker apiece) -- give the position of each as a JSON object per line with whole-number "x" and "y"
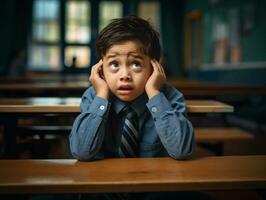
{"x": 136, "y": 65}
{"x": 113, "y": 65}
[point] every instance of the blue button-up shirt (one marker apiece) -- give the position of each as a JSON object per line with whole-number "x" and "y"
{"x": 164, "y": 128}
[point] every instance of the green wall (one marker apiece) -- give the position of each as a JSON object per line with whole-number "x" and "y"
{"x": 253, "y": 43}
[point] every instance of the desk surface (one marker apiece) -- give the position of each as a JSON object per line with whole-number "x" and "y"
{"x": 78, "y": 84}
{"x": 37, "y": 86}
{"x": 132, "y": 175}
{"x": 196, "y": 88}
{"x": 71, "y": 105}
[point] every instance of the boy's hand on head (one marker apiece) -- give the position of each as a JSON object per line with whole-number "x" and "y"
{"x": 97, "y": 80}
{"x": 156, "y": 79}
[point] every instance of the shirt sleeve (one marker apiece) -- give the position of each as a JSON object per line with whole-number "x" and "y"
{"x": 88, "y": 130}
{"x": 172, "y": 125}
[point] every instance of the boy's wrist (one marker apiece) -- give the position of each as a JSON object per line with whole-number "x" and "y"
{"x": 152, "y": 92}
{"x": 103, "y": 94}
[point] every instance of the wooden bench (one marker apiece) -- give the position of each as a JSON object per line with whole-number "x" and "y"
{"x": 132, "y": 175}
{"x": 214, "y": 138}
{"x": 215, "y": 134}
{"x": 224, "y": 134}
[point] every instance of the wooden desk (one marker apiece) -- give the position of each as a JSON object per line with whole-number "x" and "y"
{"x": 46, "y": 85}
{"x": 122, "y": 175}
{"x": 63, "y": 86}
{"x": 54, "y": 89}
{"x": 35, "y": 87}
{"x": 71, "y": 105}
{"x": 214, "y": 138}
{"x": 196, "y": 88}
{"x": 45, "y": 77}
{"x": 13, "y": 108}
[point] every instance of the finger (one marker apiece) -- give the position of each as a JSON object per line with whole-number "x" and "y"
{"x": 162, "y": 70}
{"x": 152, "y": 62}
{"x": 156, "y": 66}
{"x": 98, "y": 65}
{"x": 94, "y": 71}
{"x": 160, "y": 67}
{"x": 97, "y": 68}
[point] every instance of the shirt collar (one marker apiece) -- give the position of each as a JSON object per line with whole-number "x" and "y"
{"x": 139, "y": 104}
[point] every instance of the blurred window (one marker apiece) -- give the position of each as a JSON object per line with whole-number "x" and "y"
{"x": 44, "y": 49}
{"x": 78, "y": 34}
{"x": 81, "y": 54}
{"x": 64, "y": 32}
{"x": 109, "y": 10}
{"x": 150, "y": 10}
{"x": 78, "y": 22}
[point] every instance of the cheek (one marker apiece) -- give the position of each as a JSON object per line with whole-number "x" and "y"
{"x": 142, "y": 78}
{"x": 148, "y": 72}
{"x": 110, "y": 78}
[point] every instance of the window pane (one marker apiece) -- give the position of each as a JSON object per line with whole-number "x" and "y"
{"x": 150, "y": 11}
{"x": 46, "y": 20}
{"x": 46, "y": 31}
{"x": 78, "y": 22}
{"x": 44, "y": 58}
{"x": 109, "y": 10}
{"x": 46, "y": 9}
{"x": 81, "y": 54}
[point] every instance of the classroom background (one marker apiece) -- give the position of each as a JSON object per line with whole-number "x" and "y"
{"x": 220, "y": 43}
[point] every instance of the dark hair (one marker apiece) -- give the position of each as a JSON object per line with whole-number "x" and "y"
{"x": 129, "y": 28}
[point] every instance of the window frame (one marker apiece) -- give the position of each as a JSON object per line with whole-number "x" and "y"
{"x": 62, "y": 44}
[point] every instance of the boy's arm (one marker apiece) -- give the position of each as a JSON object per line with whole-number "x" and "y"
{"x": 174, "y": 129}
{"x": 89, "y": 127}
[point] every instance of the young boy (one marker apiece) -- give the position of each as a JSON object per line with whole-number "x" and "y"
{"x": 129, "y": 77}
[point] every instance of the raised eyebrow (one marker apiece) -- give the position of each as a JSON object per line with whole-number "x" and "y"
{"x": 137, "y": 56}
{"x": 111, "y": 55}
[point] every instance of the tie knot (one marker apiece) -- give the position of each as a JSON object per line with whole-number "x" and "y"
{"x": 129, "y": 112}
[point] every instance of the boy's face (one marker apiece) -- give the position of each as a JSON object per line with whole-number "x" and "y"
{"x": 126, "y": 70}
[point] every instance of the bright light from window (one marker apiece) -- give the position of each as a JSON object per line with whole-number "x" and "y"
{"x": 150, "y": 11}
{"x": 81, "y": 54}
{"x": 78, "y": 22}
{"x": 109, "y": 10}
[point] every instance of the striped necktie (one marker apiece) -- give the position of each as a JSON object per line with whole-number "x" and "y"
{"x": 129, "y": 140}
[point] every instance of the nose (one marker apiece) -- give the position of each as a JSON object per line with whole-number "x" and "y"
{"x": 125, "y": 74}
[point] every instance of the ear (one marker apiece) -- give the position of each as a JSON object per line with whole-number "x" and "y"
{"x": 101, "y": 73}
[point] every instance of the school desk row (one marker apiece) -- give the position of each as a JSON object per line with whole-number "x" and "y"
{"x": 11, "y": 109}
{"x": 212, "y": 139}
{"x": 73, "y": 87}
{"x": 132, "y": 175}
{"x": 71, "y": 105}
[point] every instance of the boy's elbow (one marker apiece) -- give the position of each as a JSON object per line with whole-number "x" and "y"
{"x": 182, "y": 153}
{"x": 83, "y": 154}
{"x": 80, "y": 155}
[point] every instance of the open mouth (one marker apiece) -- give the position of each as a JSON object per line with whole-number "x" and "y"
{"x": 124, "y": 89}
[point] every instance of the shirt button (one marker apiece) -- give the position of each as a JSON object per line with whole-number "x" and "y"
{"x": 154, "y": 109}
{"x": 102, "y": 107}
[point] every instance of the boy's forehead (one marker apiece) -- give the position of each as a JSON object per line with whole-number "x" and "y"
{"x": 129, "y": 53}
{"x": 126, "y": 48}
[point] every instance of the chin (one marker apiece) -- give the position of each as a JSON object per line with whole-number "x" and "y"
{"x": 126, "y": 98}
